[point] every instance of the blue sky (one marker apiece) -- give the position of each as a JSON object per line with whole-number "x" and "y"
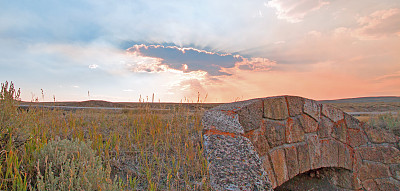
{"x": 228, "y": 50}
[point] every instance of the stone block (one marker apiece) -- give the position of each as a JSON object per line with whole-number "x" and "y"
{"x": 345, "y": 160}
{"x": 329, "y": 153}
{"x": 380, "y": 135}
{"x": 291, "y": 161}
{"x": 314, "y": 149}
{"x": 339, "y": 131}
{"x": 373, "y": 170}
{"x": 233, "y": 163}
{"x": 268, "y": 169}
{"x": 295, "y": 105}
{"x": 356, "y": 137}
{"x": 332, "y": 113}
{"x": 388, "y": 184}
{"x": 303, "y": 156}
{"x": 274, "y": 132}
{"x": 259, "y": 140}
{"x": 370, "y": 185}
{"x": 312, "y": 108}
{"x": 309, "y": 124}
{"x": 325, "y": 127}
{"x": 250, "y": 116}
{"x": 351, "y": 122}
{"x": 279, "y": 164}
{"x": 294, "y": 132}
{"x": 276, "y": 108}
{"x": 222, "y": 121}
{"x": 395, "y": 171}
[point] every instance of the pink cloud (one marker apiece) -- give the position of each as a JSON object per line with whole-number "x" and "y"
{"x": 293, "y": 10}
{"x": 381, "y": 23}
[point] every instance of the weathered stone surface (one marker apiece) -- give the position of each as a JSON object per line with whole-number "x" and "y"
{"x": 379, "y": 135}
{"x": 295, "y": 105}
{"x": 233, "y": 163}
{"x": 293, "y": 137}
{"x": 329, "y": 153}
{"x": 312, "y": 108}
{"x": 309, "y": 124}
{"x": 345, "y": 160}
{"x": 291, "y": 161}
{"x": 373, "y": 170}
{"x": 221, "y": 121}
{"x": 351, "y": 122}
{"x": 325, "y": 127}
{"x": 339, "y": 131}
{"x": 395, "y": 171}
{"x": 274, "y": 132}
{"x": 314, "y": 148}
{"x": 276, "y": 108}
{"x": 250, "y": 116}
{"x": 303, "y": 157}
{"x": 356, "y": 137}
{"x": 332, "y": 113}
{"x": 388, "y": 184}
{"x": 259, "y": 140}
{"x": 268, "y": 169}
{"x": 279, "y": 164}
{"x": 370, "y": 185}
{"x": 294, "y": 132}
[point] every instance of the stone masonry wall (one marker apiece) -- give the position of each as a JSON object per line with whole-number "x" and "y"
{"x": 259, "y": 144}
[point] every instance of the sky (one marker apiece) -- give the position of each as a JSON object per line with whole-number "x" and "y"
{"x": 219, "y": 51}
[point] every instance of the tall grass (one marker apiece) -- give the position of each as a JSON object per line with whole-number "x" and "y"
{"x": 145, "y": 149}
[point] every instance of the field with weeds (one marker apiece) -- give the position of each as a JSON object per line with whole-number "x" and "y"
{"x": 43, "y": 149}
{"x": 136, "y": 148}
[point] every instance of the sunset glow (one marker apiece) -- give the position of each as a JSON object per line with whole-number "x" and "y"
{"x": 227, "y": 51}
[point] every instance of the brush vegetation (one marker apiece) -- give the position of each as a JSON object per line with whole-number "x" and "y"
{"x": 43, "y": 149}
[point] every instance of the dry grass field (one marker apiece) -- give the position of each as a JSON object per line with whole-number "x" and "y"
{"x": 145, "y": 146}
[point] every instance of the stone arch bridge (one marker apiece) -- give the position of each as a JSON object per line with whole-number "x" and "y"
{"x": 263, "y": 144}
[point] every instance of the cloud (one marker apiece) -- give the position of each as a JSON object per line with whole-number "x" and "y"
{"x": 294, "y": 11}
{"x": 93, "y": 66}
{"x": 395, "y": 75}
{"x": 380, "y": 23}
{"x": 192, "y": 59}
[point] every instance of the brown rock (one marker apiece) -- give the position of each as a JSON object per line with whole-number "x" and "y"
{"x": 291, "y": 161}
{"x": 274, "y": 132}
{"x": 314, "y": 148}
{"x": 276, "y": 108}
{"x": 356, "y": 137}
{"x": 303, "y": 157}
{"x": 279, "y": 164}
{"x": 380, "y": 135}
{"x": 325, "y": 127}
{"x": 345, "y": 160}
{"x": 370, "y": 185}
{"x": 388, "y": 184}
{"x": 268, "y": 169}
{"x": 332, "y": 113}
{"x": 257, "y": 137}
{"x": 339, "y": 131}
{"x": 312, "y": 108}
{"x": 395, "y": 171}
{"x": 329, "y": 153}
{"x": 294, "y": 132}
{"x": 295, "y": 105}
{"x": 351, "y": 122}
{"x": 250, "y": 116}
{"x": 309, "y": 124}
{"x": 373, "y": 170}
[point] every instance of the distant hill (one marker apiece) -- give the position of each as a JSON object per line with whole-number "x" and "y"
{"x": 364, "y": 100}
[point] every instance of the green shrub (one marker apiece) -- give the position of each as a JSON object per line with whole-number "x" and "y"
{"x": 386, "y": 121}
{"x": 72, "y": 165}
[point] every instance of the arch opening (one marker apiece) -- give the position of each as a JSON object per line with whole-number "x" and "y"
{"x": 329, "y": 178}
